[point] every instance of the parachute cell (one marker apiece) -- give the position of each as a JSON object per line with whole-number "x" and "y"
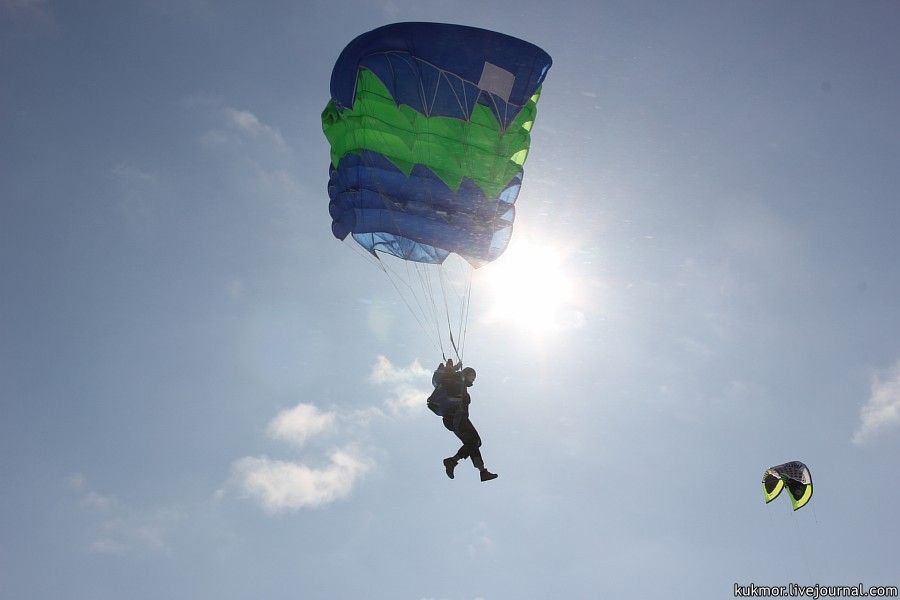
{"x": 792, "y": 475}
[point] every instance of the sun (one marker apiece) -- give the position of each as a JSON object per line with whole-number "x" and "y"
{"x": 530, "y": 288}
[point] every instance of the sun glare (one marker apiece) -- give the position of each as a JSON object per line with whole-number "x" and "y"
{"x": 530, "y": 289}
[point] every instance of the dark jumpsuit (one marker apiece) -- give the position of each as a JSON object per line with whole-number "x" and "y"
{"x": 459, "y": 422}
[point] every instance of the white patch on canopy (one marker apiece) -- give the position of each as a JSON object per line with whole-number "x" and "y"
{"x": 496, "y": 80}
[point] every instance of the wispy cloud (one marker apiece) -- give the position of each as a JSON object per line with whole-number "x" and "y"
{"x": 233, "y": 126}
{"x": 882, "y": 410}
{"x": 406, "y": 400}
{"x": 98, "y": 501}
{"x": 280, "y": 485}
{"x": 298, "y": 424}
{"x": 249, "y": 125}
{"x": 407, "y": 384}
{"x": 130, "y": 173}
{"x": 76, "y": 481}
{"x": 383, "y": 371}
{"x": 90, "y": 498}
{"x": 256, "y": 158}
{"x": 480, "y": 540}
{"x": 106, "y": 546}
{"x": 389, "y": 8}
{"x": 135, "y": 191}
{"x": 120, "y": 534}
{"x": 121, "y": 528}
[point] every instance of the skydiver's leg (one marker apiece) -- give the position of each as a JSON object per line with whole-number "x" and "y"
{"x": 450, "y": 463}
{"x": 463, "y": 428}
{"x": 468, "y": 435}
{"x": 471, "y": 445}
{"x": 452, "y": 424}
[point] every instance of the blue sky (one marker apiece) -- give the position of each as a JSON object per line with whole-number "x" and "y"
{"x": 203, "y": 394}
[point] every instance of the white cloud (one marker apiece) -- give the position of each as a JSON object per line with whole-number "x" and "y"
{"x": 408, "y": 385}
{"x": 213, "y": 138}
{"x": 248, "y": 124}
{"x": 383, "y": 371}
{"x": 300, "y": 423}
{"x": 76, "y": 481}
{"x": 135, "y": 193}
{"x": 364, "y": 416}
{"x": 480, "y": 540}
{"x": 233, "y": 124}
{"x": 130, "y": 173}
{"x": 882, "y": 410}
{"x": 89, "y": 498}
{"x": 254, "y": 155}
{"x": 98, "y": 501}
{"x": 121, "y": 528}
{"x": 279, "y": 485}
{"x": 475, "y": 540}
{"x": 406, "y": 399}
{"x": 118, "y": 535}
{"x": 106, "y": 546}
{"x": 390, "y": 8}
{"x": 279, "y": 182}
{"x": 480, "y": 545}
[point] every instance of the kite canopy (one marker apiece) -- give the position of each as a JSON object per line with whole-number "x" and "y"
{"x": 792, "y": 475}
{"x": 429, "y": 126}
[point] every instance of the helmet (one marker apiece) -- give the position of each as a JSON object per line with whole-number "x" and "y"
{"x": 469, "y": 375}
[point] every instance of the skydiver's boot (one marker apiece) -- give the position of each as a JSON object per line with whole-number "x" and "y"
{"x": 449, "y": 465}
{"x": 487, "y": 475}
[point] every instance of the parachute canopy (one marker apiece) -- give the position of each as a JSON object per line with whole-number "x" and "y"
{"x": 792, "y": 475}
{"x": 429, "y": 126}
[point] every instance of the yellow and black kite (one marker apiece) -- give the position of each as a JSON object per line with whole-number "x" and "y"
{"x": 795, "y": 476}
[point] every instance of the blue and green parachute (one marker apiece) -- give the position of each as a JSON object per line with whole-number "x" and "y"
{"x": 429, "y": 126}
{"x": 792, "y": 475}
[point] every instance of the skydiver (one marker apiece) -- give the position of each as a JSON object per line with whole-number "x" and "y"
{"x": 452, "y": 382}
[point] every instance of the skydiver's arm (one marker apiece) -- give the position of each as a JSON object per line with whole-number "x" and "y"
{"x": 438, "y": 374}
